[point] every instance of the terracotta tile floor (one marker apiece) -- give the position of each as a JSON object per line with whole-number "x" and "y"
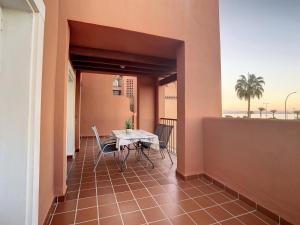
{"x": 142, "y": 195}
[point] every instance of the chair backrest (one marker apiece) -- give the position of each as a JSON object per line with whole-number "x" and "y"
{"x": 94, "y": 128}
{"x": 165, "y": 135}
{"x": 158, "y": 130}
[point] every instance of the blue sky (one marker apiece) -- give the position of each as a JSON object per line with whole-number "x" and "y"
{"x": 261, "y": 37}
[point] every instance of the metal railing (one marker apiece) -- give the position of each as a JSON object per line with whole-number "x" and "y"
{"x": 172, "y": 141}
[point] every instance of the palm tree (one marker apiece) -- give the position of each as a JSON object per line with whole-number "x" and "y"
{"x": 261, "y": 109}
{"x": 297, "y": 112}
{"x": 251, "y": 112}
{"x": 273, "y": 111}
{"x": 249, "y": 87}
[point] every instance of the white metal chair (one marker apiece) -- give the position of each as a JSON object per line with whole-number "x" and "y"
{"x": 108, "y": 146}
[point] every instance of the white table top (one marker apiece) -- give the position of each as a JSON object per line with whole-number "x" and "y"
{"x": 126, "y": 138}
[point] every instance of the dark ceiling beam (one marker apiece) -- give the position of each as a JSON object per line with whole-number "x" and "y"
{"x": 117, "y": 67}
{"x": 168, "y": 79}
{"x": 115, "y": 71}
{"x": 114, "y": 55}
{"x": 82, "y": 59}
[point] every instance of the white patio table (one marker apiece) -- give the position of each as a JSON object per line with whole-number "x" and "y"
{"x": 124, "y": 138}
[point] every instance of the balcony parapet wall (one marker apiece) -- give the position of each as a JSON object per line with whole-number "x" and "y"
{"x": 257, "y": 158}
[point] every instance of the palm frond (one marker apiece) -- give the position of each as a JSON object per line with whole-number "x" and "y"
{"x": 249, "y": 87}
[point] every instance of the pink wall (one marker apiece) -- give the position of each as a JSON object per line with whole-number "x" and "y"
{"x": 100, "y": 107}
{"x": 146, "y": 93}
{"x": 46, "y": 189}
{"x": 258, "y": 158}
{"x": 170, "y": 105}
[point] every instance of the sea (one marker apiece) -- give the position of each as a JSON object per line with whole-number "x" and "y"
{"x": 269, "y": 115}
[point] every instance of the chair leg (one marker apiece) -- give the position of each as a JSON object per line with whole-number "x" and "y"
{"x": 97, "y": 157}
{"x": 169, "y": 156}
{"x": 162, "y": 153}
{"x": 147, "y": 158}
{"x": 98, "y": 161}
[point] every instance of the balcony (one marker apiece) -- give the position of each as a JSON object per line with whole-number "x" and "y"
{"x": 142, "y": 195}
{"x": 227, "y": 171}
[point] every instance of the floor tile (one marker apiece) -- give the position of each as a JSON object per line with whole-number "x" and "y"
{"x": 120, "y": 181}
{"x": 145, "y": 203}
{"x": 156, "y": 190}
{"x": 124, "y": 196}
{"x": 206, "y": 189}
{"x": 163, "y": 199}
{"x": 89, "y": 185}
{"x": 86, "y": 214}
{"x": 134, "y": 218}
{"x": 106, "y": 199}
{"x": 251, "y": 219}
{"x": 265, "y": 218}
{"x": 178, "y": 195}
{"x": 128, "y": 206}
{"x": 219, "y": 198}
{"x": 72, "y": 195}
{"x": 172, "y": 210}
{"x": 189, "y": 205}
{"x": 161, "y": 222}
{"x": 218, "y": 213}
{"x": 184, "y": 185}
{"x": 182, "y": 220}
{"x": 132, "y": 179}
{"x": 205, "y": 201}
{"x": 202, "y": 218}
{"x": 136, "y": 186}
{"x": 140, "y": 193}
{"x": 66, "y": 206}
{"x": 153, "y": 214}
{"x": 104, "y": 190}
{"x": 93, "y": 222}
{"x": 87, "y": 202}
{"x": 145, "y": 178}
{"x": 63, "y": 218}
{"x": 231, "y": 222}
{"x": 87, "y": 193}
{"x": 104, "y": 183}
{"x": 193, "y": 192}
{"x": 234, "y": 208}
{"x": 121, "y": 188}
{"x": 113, "y": 220}
{"x": 108, "y": 210}
{"x": 244, "y": 205}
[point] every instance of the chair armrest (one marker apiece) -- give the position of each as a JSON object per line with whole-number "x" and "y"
{"x": 109, "y": 141}
{"x": 107, "y": 144}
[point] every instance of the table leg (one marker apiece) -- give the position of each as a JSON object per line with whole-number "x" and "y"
{"x": 123, "y": 162}
{"x": 145, "y": 155}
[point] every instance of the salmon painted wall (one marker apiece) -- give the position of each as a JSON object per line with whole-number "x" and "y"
{"x": 60, "y": 117}
{"x": 100, "y": 107}
{"x": 146, "y": 93}
{"x": 258, "y": 158}
{"x": 46, "y": 193}
{"x": 196, "y": 22}
{"x": 170, "y": 105}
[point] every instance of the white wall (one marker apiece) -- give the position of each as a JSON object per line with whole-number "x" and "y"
{"x": 20, "y": 87}
{"x": 71, "y": 113}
